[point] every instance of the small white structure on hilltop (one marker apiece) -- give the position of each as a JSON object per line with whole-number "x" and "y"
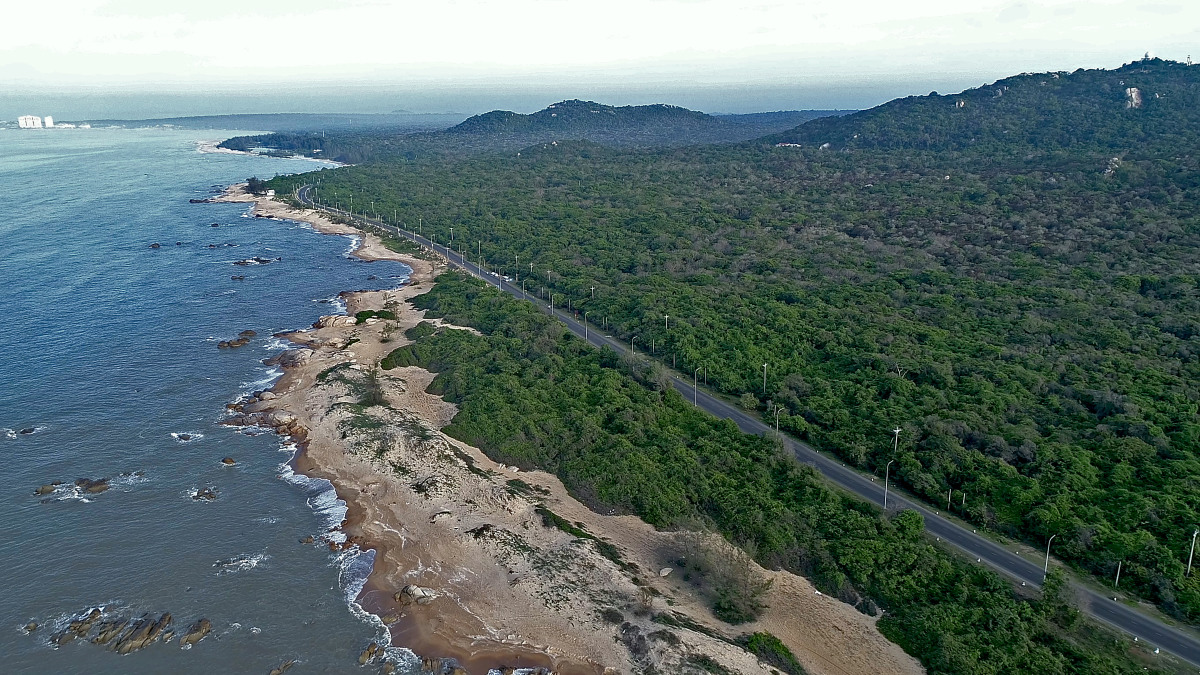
{"x": 29, "y": 122}
{"x": 48, "y": 121}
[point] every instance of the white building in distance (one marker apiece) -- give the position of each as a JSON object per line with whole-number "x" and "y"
{"x": 48, "y": 121}
{"x": 30, "y": 122}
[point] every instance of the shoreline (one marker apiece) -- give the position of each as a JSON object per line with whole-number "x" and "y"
{"x": 213, "y": 148}
{"x": 509, "y": 590}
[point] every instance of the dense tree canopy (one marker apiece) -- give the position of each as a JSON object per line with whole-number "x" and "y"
{"x": 1026, "y": 308}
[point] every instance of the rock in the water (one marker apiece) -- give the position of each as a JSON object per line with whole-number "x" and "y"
{"x": 44, "y": 490}
{"x": 31, "y": 626}
{"x": 195, "y": 632}
{"x": 247, "y": 333}
{"x": 307, "y": 540}
{"x": 389, "y": 668}
{"x": 228, "y": 461}
{"x": 283, "y": 667}
{"x": 368, "y": 654}
{"x": 109, "y": 630}
{"x": 78, "y": 628}
{"x": 92, "y": 486}
{"x": 156, "y": 245}
{"x": 27, "y": 431}
{"x": 205, "y": 494}
{"x": 414, "y": 594}
{"x": 143, "y": 632}
{"x": 184, "y": 437}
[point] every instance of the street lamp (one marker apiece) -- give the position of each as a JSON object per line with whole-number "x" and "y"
{"x": 585, "y": 326}
{"x": 778, "y": 409}
{"x": 764, "y": 380}
{"x": 1190, "y": 553}
{"x": 631, "y": 340}
{"x": 886, "y": 475}
{"x": 665, "y": 317}
{"x": 1046, "y": 568}
{"x": 696, "y": 387}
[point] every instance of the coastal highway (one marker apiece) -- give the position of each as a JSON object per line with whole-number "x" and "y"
{"x": 1144, "y": 627}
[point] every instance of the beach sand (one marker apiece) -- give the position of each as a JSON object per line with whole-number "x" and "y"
{"x": 508, "y": 590}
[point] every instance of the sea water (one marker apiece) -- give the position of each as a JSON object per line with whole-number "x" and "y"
{"x": 110, "y": 367}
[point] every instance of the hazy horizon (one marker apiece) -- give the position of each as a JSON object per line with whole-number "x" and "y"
{"x": 136, "y": 58}
{"x": 145, "y": 102}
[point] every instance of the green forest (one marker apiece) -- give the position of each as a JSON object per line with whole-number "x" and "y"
{"x": 1026, "y": 309}
{"x": 531, "y": 394}
{"x": 626, "y": 126}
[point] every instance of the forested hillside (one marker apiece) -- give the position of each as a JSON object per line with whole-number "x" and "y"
{"x": 1027, "y": 311}
{"x": 531, "y": 394}
{"x": 501, "y": 130}
{"x": 1148, "y": 105}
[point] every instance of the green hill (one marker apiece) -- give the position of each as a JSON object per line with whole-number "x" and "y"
{"x": 1148, "y": 102}
{"x": 500, "y": 130}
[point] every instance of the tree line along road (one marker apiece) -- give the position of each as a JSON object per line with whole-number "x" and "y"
{"x": 1143, "y": 627}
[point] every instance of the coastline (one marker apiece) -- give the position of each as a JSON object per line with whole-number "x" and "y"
{"x": 213, "y": 148}
{"x": 440, "y": 515}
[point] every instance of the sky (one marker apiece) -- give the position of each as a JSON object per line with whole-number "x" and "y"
{"x": 446, "y": 54}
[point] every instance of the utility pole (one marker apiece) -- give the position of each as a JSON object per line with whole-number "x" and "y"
{"x": 1118, "y": 581}
{"x": 886, "y": 474}
{"x": 1046, "y": 568}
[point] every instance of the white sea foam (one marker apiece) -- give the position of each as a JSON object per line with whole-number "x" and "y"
{"x": 270, "y": 375}
{"x": 355, "y": 241}
{"x": 336, "y": 303}
{"x": 239, "y": 563}
{"x": 25, "y": 431}
{"x": 191, "y": 436}
{"x": 354, "y": 564}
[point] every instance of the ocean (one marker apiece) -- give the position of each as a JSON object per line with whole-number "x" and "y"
{"x": 111, "y": 370}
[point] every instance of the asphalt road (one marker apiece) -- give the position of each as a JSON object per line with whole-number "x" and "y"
{"x": 1145, "y": 628}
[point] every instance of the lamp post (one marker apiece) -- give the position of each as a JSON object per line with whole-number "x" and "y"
{"x": 1192, "y": 552}
{"x": 886, "y": 474}
{"x": 696, "y": 387}
{"x": 585, "y": 326}
{"x": 1046, "y": 567}
{"x": 764, "y": 380}
{"x": 631, "y": 340}
{"x": 665, "y": 317}
{"x": 778, "y": 409}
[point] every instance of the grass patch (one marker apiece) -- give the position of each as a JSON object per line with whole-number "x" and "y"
{"x": 420, "y": 330}
{"x": 519, "y": 488}
{"x": 552, "y": 519}
{"x": 770, "y": 649}
{"x": 361, "y": 317}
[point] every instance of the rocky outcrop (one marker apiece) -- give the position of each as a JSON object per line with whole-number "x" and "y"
{"x": 92, "y": 486}
{"x": 228, "y": 461}
{"x": 369, "y": 654}
{"x": 142, "y": 633}
{"x": 205, "y": 494}
{"x": 290, "y": 358}
{"x": 283, "y": 668}
{"x": 77, "y": 628}
{"x": 195, "y": 632}
{"x": 334, "y": 320}
{"x": 413, "y": 594}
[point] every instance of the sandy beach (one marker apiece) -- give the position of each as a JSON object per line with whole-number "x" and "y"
{"x": 466, "y": 567}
